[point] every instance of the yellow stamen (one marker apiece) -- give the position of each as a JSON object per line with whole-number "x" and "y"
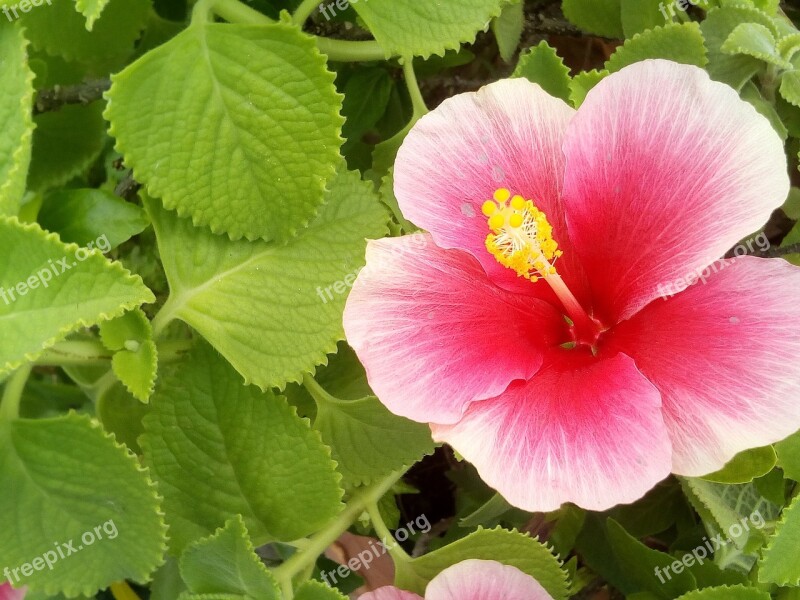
{"x": 521, "y": 237}
{"x": 489, "y": 208}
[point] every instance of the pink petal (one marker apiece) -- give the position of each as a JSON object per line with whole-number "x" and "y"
{"x": 666, "y": 170}
{"x": 508, "y": 134}
{"x": 389, "y": 593}
{"x": 724, "y": 356}
{"x": 585, "y": 429}
{"x": 434, "y": 334}
{"x": 9, "y": 593}
{"x": 484, "y": 580}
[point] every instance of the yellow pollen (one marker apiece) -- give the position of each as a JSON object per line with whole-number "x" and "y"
{"x": 521, "y": 238}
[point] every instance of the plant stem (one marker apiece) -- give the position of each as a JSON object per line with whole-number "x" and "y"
{"x": 93, "y": 353}
{"x": 12, "y": 395}
{"x": 320, "y": 541}
{"x": 420, "y": 109}
{"x": 304, "y": 11}
{"x": 232, "y": 11}
{"x": 122, "y": 591}
{"x": 317, "y": 392}
{"x": 395, "y": 550}
{"x": 350, "y": 51}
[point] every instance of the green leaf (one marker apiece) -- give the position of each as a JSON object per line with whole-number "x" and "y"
{"x": 601, "y": 17}
{"x": 508, "y": 547}
{"x": 60, "y": 30}
{"x": 366, "y": 96}
{"x": 226, "y": 565}
{"x": 746, "y": 466}
{"x": 49, "y": 289}
{"x": 788, "y": 45}
{"x": 736, "y": 592}
{"x": 508, "y": 28}
{"x": 542, "y": 65}
{"x": 83, "y": 216}
{"x": 367, "y": 441}
{"x": 245, "y": 147}
{"x": 135, "y": 361}
{"x": 78, "y": 488}
{"x": 314, "y": 590}
{"x": 240, "y": 450}
{"x": 790, "y": 87}
{"x": 16, "y": 99}
{"x": 582, "y": 84}
{"x": 121, "y": 414}
{"x": 779, "y": 562}
{"x": 752, "y": 94}
{"x": 640, "y": 15}
{"x": 91, "y": 9}
{"x": 717, "y": 27}
{"x": 679, "y": 42}
{"x": 413, "y": 28}
{"x": 788, "y": 452}
{"x": 757, "y": 41}
{"x": 65, "y": 143}
{"x": 651, "y": 570}
{"x": 274, "y": 311}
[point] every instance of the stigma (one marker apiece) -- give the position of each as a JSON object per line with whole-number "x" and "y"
{"x": 520, "y": 236}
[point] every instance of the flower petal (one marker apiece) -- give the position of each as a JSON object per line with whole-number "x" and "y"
{"x": 434, "y": 334}
{"x": 724, "y": 356}
{"x": 508, "y": 134}
{"x": 484, "y": 580}
{"x": 389, "y": 593}
{"x": 585, "y": 429}
{"x": 666, "y": 170}
{"x": 9, "y": 593}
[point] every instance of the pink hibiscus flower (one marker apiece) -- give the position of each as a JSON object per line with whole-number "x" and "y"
{"x": 472, "y": 580}
{"x": 9, "y": 593}
{"x": 532, "y": 331}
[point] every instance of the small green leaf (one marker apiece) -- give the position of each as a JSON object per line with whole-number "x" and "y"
{"x": 641, "y": 15}
{"x": 736, "y": 592}
{"x": 752, "y": 94}
{"x": 788, "y": 452}
{"x": 83, "y": 216}
{"x": 80, "y": 489}
{"x": 508, "y": 28}
{"x": 757, "y": 41}
{"x": 679, "y": 42}
{"x": 16, "y": 99}
{"x": 746, "y": 466}
{"x": 717, "y": 27}
{"x": 779, "y": 562}
{"x": 582, "y": 84}
{"x": 240, "y": 450}
{"x": 413, "y": 28}
{"x": 49, "y": 289}
{"x": 226, "y": 565}
{"x": 243, "y": 147}
{"x": 653, "y": 571}
{"x": 121, "y": 414}
{"x": 542, "y": 65}
{"x": 65, "y": 143}
{"x": 314, "y": 590}
{"x": 91, "y": 9}
{"x": 789, "y": 45}
{"x": 790, "y": 87}
{"x": 508, "y": 547}
{"x": 601, "y": 17}
{"x": 135, "y": 361}
{"x": 273, "y": 310}
{"x": 367, "y": 441}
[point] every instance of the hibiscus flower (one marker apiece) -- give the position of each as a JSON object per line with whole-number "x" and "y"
{"x": 532, "y": 331}
{"x": 9, "y": 593}
{"x": 472, "y": 580}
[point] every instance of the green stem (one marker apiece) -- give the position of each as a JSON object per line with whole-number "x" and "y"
{"x": 317, "y": 392}
{"x": 304, "y": 11}
{"x": 232, "y": 11}
{"x": 350, "y": 51}
{"x": 395, "y": 550}
{"x": 93, "y": 353}
{"x": 320, "y": 541}
{"x": 12, "y": 395}
{"x": 420, "y": 109}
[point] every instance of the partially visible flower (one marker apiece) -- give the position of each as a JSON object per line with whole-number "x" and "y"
{"x": 532, "y": 331}
{"x": 472, "y": 580}
{"x": 9, "y": 593}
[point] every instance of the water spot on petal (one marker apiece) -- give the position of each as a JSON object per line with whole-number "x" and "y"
{"x": 498, "y": 174}
{"x": 734, "y": 320}
{"x": 483, "y": 158}
{"x": 467, "y": 210}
